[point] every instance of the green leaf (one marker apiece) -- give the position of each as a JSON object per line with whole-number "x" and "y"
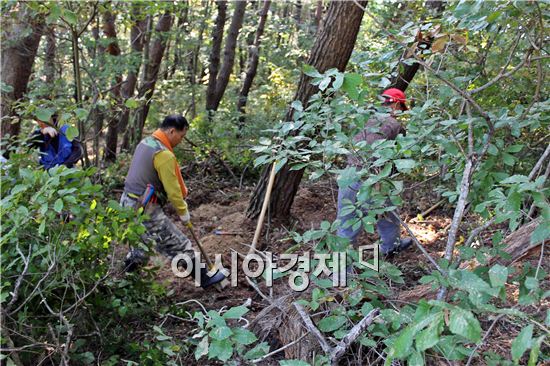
{"x": 498, "y": 275}
{"x": 464, "y": 323}
{"x": 542, "y": 232}
{"x": 258, "y": 351}
{"x": 508, "y": 159}
{"x": 221, "y": 333}
{"x": 401, "y": 348}
{"x": 339, "y": 80}
{"x": 535, "y": 350}
{"x": 222, "y": 350}
{"x": 310, "y": 71}
{"x": 531, "y": 283}
{"x": 58, "y": 205}
{"x": 331, "y": 323}
{"x": 70, "y": 17}
{"x": 324, "y": 83}
{"x": 293, "y": 363}
{"x": 351, "y": 82}
{"x": 131, "y": 103}
{"x": 515, "y": 179}
{"x": 71, "y": 133}
{"x": 280, "y": 164}
{"x": 404, "y": 165}
{"x": 202, "y": 348}
{"x": 81, "y": 113}
{"x": 415, "y": 359}
{"x": 235, "y": 312}
{"x": 522, "y": 342}
{"x": 243, "y": 336}
{"x": 44, "y": 114}
{"x": 429, "y": 336}
{"x": 55, "y": 13}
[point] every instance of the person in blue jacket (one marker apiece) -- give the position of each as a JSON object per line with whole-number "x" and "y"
{"x": 55, "y": 147}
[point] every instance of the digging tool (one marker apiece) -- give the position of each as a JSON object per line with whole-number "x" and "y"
{"x": 224, "y": 283}
{"x": 264, "y": 208}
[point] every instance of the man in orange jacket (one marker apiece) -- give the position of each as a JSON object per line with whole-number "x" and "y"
{"x": 154, "y": 163}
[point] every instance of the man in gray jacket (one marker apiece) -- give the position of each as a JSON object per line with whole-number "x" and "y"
{"x": 388, "y": 225}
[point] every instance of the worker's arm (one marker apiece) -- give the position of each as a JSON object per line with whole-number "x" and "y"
{"x": 164, "y": 163}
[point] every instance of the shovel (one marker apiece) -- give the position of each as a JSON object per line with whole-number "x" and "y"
{"x": 224, "y": 283}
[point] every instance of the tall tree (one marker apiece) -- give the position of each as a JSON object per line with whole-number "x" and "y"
{"x": 111, "y": 140}
{"x": 332, "y": 49}
{"x": 49, "y": 60}
{"x": 151, "y": 71}
{"x": 18, "y": 54}
{"x": 253, "y": 57}
{"x": 218, "y": 82}
{"x": 214, "y": 60}
{"x": 137, "y": 38}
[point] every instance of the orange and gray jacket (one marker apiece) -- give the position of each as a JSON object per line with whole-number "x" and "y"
{"x": 142, "y": 170}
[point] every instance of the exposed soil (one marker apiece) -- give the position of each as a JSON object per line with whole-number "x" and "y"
{"x": 220, "y": 222}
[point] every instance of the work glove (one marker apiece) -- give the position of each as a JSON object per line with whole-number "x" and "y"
{"x": 52, "y": 132}
{"x": 185, "y": 218}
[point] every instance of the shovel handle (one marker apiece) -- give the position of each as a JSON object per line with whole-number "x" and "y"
{"x": 203, "y": 252}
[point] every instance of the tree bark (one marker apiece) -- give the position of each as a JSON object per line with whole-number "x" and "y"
{"x": 49, "y": 60}
{"x": 229, "y": 51}
{"x": 332, "y": 49}
{"x": 18, "y": 56}
{"x": 213, "y": 67}
{"x": 254, "y": 55}
{"x": 152, "y": 70}
{"x": 222, "y": 79}
{"x": 137, "y": 37}
{"x": 111, "y": 140}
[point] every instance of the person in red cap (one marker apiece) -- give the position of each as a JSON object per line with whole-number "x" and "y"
{"x": 388, "y": 226}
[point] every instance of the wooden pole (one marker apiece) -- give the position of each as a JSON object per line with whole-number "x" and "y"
{"x": 264, "y": 208}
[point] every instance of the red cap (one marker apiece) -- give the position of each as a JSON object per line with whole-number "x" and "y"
{"x": 395, "y": 95}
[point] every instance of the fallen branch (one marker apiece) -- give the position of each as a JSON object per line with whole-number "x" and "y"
{"x": 355, "y": 332}
{"x": 335, "y": 353}
{"x": 312, "y": 328}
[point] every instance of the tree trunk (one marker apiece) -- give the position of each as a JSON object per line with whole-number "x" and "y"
{"x": 253, "y": 58}
{"x": 152, "y": 68}
{"x": 217, "y": 37}
{"x": 49, "y": 60}
{"x": 318, "y": 13}
{"x": 298, "y": 14}
{"x": 222, "y": 79}
{"x": 17, "y": 62}
{"x": 113, "y": 49}
{"x": 229, "y": 51}
{"x": 182, "y": 28}
{"x": 332, "y": 49}
{"x": 193, "y": 65}
{"x": 137, "y": 37}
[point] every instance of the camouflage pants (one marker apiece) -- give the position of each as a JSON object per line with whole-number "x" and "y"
{"x": 169, "y": 239}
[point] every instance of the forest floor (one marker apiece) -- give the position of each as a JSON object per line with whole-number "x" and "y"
{"x": 217, "y": 207}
